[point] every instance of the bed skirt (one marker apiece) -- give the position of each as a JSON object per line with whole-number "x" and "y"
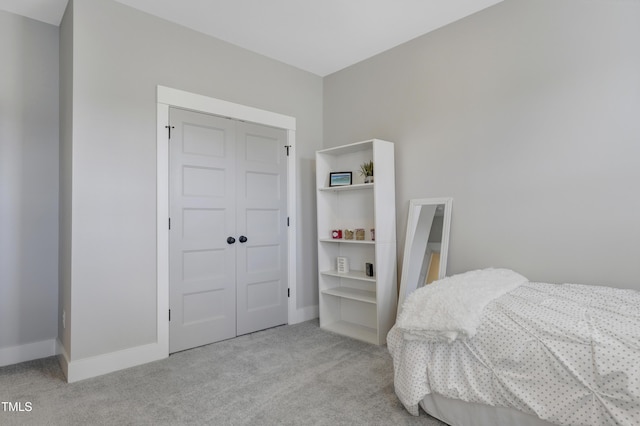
{"x": 456, "y": 412}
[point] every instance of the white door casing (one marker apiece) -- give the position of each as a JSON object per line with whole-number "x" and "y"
{"x": 167, "y": 97}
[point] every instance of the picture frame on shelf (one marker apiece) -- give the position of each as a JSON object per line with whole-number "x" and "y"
{"x": 340, "y": 178}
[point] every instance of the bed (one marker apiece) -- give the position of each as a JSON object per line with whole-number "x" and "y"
{"x": 488, "y": 347}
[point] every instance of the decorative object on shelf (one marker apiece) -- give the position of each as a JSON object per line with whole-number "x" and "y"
{"x": 340, "y": 178}
{"x": 373, "y": 234}
{"x": 342, "y": 265}
{"x": 336, "y": 234}
{"x": 366, "y": 170}
{"x": 348, "y": 234}
{"x": 368, "y": 269}
{"x": 360, "y": 234}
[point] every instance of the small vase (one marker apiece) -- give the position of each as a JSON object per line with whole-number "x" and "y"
{"x": 368, "y": 179}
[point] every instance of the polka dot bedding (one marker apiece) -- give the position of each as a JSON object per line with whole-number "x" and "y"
{"x": 568, "y": 354}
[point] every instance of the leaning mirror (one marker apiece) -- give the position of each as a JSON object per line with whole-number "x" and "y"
{"x": 426, "y": 244}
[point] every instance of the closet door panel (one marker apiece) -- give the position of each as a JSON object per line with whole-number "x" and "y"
{"x": 202, "y": 206}
{"x": 262, "y": 218}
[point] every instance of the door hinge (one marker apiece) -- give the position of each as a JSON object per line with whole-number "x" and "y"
{"x": 169, "y": 130}
{"x": 169, "y": 223}
{"x": 287, "y": 147}
{"x": 169, "y": 314}
{"x": 288, "y": 221}
{"x": 288, "y": 292}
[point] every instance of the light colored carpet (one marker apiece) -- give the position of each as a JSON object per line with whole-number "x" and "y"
{"x": 289, "y": 375}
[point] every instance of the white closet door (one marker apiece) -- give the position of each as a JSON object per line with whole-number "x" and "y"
{"x": 262, "y": 219}
{"x": 203, "y": 215}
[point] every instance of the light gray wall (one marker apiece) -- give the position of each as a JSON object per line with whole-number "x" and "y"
{"x": 527, "y": 115}
{"x": 66, "y": 174}
{"x": 28, "y": 181}
{"x": 119, "y": 56}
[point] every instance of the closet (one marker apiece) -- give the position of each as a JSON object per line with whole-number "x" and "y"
{"x": 228, "y": 236}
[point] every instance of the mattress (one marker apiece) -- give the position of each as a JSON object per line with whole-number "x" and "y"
{"x": 567, "y": 354}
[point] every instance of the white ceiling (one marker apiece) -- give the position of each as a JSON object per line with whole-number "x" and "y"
{"x": 319, "y": 36}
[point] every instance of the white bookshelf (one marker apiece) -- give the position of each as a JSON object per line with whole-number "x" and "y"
{"x": 354, "y": 304}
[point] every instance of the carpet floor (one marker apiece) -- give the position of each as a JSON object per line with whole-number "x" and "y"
{"x": 290, "y": 375}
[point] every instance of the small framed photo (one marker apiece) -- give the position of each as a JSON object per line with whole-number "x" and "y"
{"x": 339, "y": 178}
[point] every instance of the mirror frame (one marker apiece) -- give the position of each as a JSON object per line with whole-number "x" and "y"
{"x": 414, "y": 253}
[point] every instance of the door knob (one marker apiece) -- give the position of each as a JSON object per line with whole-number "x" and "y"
{"x": 243, "y": 239}
{"x": 231, "y": 240}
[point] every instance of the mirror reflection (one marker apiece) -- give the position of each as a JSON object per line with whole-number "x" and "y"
{"x": 426, "y": 244}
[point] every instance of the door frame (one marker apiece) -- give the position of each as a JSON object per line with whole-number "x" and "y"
{"x": 168, "y": 97}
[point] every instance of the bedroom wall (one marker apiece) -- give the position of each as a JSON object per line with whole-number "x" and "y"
{"x": 66, "y": 179}
{"x": 526, "y": 114}
{"x": 119, "y": 56}
{"x": 28, "y": 188}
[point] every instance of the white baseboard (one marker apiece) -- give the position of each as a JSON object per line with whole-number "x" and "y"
{"x": 28, "y": 352}
{"x": 86, "y": 368}
{"x": 102, "y": 364}
{"x": 305, "y": 314}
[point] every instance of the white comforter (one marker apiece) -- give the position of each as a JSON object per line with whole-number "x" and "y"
{"x": 569, "y": 354}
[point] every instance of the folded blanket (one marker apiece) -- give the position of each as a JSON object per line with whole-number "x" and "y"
{"x": 451, "y": 308}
